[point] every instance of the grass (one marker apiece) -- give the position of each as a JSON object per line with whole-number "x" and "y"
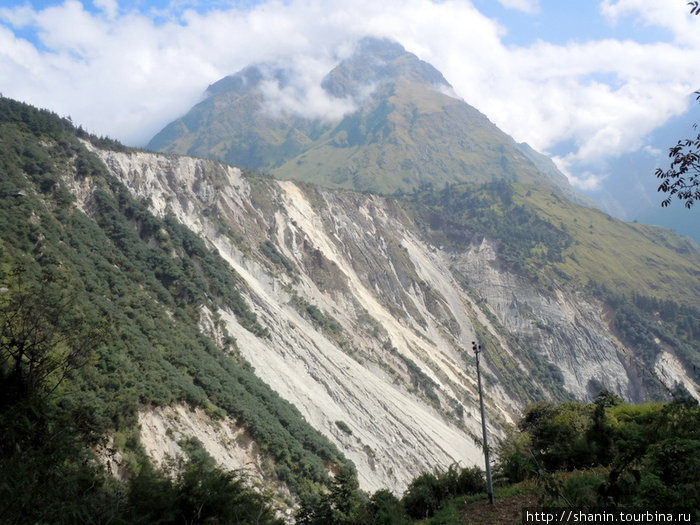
{"x": 625, "y": 257}
{"x": 507, "y": 508}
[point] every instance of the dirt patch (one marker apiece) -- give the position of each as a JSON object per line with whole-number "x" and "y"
{"x": 502, "y": 512}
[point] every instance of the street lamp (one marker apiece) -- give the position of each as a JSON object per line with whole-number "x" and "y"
{"x": 489, "y": 483}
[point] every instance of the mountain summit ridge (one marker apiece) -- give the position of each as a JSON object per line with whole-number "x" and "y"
{"x": 397, "y": 126}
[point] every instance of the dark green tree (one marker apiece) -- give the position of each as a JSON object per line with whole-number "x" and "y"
{"x": 45, "y": 334}
{"x": 682, "y": 178}
{"x": 48, "y": 473}
{"x": 386, "y": 509}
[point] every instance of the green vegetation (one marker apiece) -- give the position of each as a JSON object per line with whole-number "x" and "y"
{"x": 326, "y": 323}
{"x": 427, "y": 494}
{"x": 457, "y": 215}
{"x": 648, "y": 325}
{"x": 99, "y": 318}
{"x": 342, "y": 425}
{"x": 550, "y": 239}
{"x": 601, "y": 455}
{"x": 270, "y": 251}
{"x": 682, "y": 178}
{"x": 616, "y": 455}
{"x": 419, "y": 379}
{"x": 113, "y": 305}
{"x": 626, "y": 258}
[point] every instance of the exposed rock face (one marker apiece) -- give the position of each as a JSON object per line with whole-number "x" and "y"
{"x": 163, "y": 428}
{"x": 371, "y": 327}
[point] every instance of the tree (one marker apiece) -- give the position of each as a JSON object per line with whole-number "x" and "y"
{"x": 47, "y": 470}
{"x": 45, "y": 335}
{"x": 682, "y": 178}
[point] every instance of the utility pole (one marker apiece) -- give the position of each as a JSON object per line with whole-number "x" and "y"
{"x": 489, "y": 483}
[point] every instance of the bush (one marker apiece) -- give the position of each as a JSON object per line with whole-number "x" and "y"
{"x": 386, "y": 509}
{"x": 426, "y": 493}
{"x": 422, "y": 497}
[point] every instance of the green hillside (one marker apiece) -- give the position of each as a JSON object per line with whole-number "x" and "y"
{"x": 540, "y": 231}
{"x": 625, "y": 257}
{"x": 99, "y": 318}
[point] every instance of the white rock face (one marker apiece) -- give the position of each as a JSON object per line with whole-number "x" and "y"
{"x": 229, "y": 444}
{"x": 395, "y": 388}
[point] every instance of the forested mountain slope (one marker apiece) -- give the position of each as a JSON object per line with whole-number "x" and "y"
{"x": 357, "y": 310}
{"x": 105, "y": 312}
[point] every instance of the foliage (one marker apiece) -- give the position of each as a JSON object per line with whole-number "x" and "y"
{"x": 515, "y": 463}
{"x": 342, "y": 425}
{"x": 47, "y": 473}
{"x": 616, "y": 454}
{"x": 45, "y": 335}
{"x": 200, "y": 493}
{"x": 386, "y": 509}
{"x": 459, "y": 213}
{"x": 682, "y": 178}
{"x": 325, "y": 322}
{"x": 427, "y": 492}
{"x": 342, "y": 504}
{"x": 557, "y": 433}
{"x": 270, "y": 251}
{"x": 419, "y": 379}
{"x": 425, "y": 495}
{"x": 146, "y": 280}
{"x": 646, "y": 323}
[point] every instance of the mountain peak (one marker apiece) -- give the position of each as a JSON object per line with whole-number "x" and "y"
{"x": 381, "y": 120}
{"x": 374, "y": 62}
{"x": 244, "y": 81}
{"x": 378, "y": 61}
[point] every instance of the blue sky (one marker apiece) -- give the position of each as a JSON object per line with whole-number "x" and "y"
{"x": 565, "y": 21}
{"x": 582, "y": 80}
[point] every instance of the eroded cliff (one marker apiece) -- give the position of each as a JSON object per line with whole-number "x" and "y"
{"x": 370, "y": 326}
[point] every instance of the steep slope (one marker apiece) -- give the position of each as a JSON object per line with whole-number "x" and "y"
{"x": 402, "y": 127}
{"x": 151, "y": 290}
{"x": 371, "y": 320}
{"x": 358, "y": 310}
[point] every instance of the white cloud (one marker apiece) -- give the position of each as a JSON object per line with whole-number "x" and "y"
{"x": 586, "y": 180}
{"x": 126, "y": 74}
{"x": 301, "y": 93}
{"x": 673, "y": 16}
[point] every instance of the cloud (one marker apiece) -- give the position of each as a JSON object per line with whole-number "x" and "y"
{"x": 301, "y": 93}
{"x": 672, "y": 16}
{"x": 584, "y": 180}
{"x": 126, "y": 73}
{"x": 109, "y": 7}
